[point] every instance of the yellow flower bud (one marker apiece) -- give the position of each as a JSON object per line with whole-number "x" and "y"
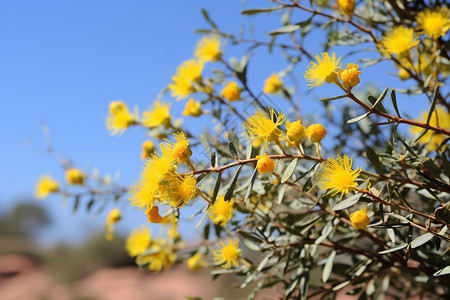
{"x": 273, "y": 84}
{"x": 148, "y": 147}
{"x": 46, "y": 185}
{"x": 349, "y": 76}
{"x": 75, "y": 176}
{"x": 265, "y": 164}
{"x": 192, "y": 108}
{"x": 359, "y": 219}
{"x": 116, "y": 107}
{"x": 316, "y": 132}
{"x": 347, "y": 7}
{"x": 295, "y": 131}
{"x": 232, "y": 91}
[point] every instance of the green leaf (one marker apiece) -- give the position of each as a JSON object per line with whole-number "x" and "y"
{"x": 76, "y": 203}
{"x": 377, "y": 102}
{"x": 443, "y": 271}
{"x": 341, "y": 285}
{"x": 216, "y": 188}
{"x": 230, "y": 191}
{"x": 252, "y": 181}
{"x": 213, "y": 159}
{"x": 199, "y": 178}
{"x": 205, "y": 144}
{"x": 232, "y": 149}
{"x": 333, "y": 98}
{"x": 255, "y": 11}
{"x": 399, "y": 247}
{"x": 359, "y": 118}
{"x": 446, "y": 164}
{"x": 419, "y": 241}
{"x": 233, "y": 138}
{"x": 208, "y": 19}
{"x": 347, "y": 202}
{"x": 289, "y": 170}
{"x": 328, "y": 267}
{"x": 394, "y": 102}
{"x": 375, "y": 160}
{"x": 433, "y": 104}
{"x": 286, "y": 29}
{"x": 90, "y": 203}
{"x": 250, "y": 236}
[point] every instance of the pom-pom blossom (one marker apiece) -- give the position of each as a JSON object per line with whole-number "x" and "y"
{"x": 434, "y": 22}
{"x": 185, "y": 79}
{"x": 148, "y": 147}
{"x": 229, "y": 254}
{"x": 338, "y": 176}
{"x": 192, "y": 108}
{"x": 159, "y": 115}
{"x": 138, "y": 241}
{"x": 113, "y": 217}
{"x": 359, "y": 219}
{"x": 162, "y": 256}
{"x": 349, "y": 76}
{"x": 399, "y": 41}
{"x": 347, "y": 7}
{"x": 322, "y": 71}
{"x": 232, "y": 92}
{"x": 45, "y": 186}
{"x": 119, "y": 118}
{"x": 265, "y": 164}
{"x": 180, "y": 190}
{"x": 208, "y": 49}
{"x": 261, "y": 126}
{"x": 316, "y": 132}
{"x": 179, "y": 150}
{"x": 273, "y": 84}
{"x": 295, "y": 131}
{"x": 75, "y": 176}
{"x": 196, "y": 262}
{"x": 221, "y": 211}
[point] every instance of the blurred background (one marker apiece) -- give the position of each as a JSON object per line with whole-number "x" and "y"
{"x": 62, "y": 63}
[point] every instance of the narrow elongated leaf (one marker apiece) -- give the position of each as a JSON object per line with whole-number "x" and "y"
{"x": 289, "y": 170}
{"x": 285, "y": 29}
{"x": 359, "y": 118}
{"x": 255, "y": 11}
{"x": 347, "y": 202}
{"x": 377, "y": 102}
{"x": 399, "y": 247}
{"x": 232, "y": 149}
{"x": 419, "y": 241}
{"x": 208, "y": 19}
{"x": 252, "y": 181}
{"x": 375, "y": 160}
{"x": 216, "y": 188}
{"x": 213, "y": 159}
{"x": 232, "y": 137}
{"x": 443, "y": 271}
{"x": 433, "y": 104}
{"x": 205, "y": 144}
{"x": 199, "y": 178}
{"x": 394, "y": 103}
{"x": 76, "y": 203}
{"x": 328, "y": 267}
{"x": 230, "y": 191}
{"x": 333, "y": 98}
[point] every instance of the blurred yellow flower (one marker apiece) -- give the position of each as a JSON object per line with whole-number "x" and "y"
{"x": 75, "y": 176}
{"x": 359, "y": 219}
{"x": 161, "y": 256}
{"x": 440, "y": 118}
{"x": 295, "y": 131}
{"x": 338, "y": 176}
{"x": 45, "y": 186}
{"x": 273, "y": 84}
{"x": 434, "y": 22}
{"x": 192, "y": 108}
{"x": 349, "y": 76}
{"x": 180, "y": 190}
{"x": 347, "y": 7}
{"x": 196, "y": 262}
{"x": 138, "y": 241}
{"x": 265, "y": 164}
{"x": 114, "y": 216}
{"x": 221, "y": 212}
{"x": 148, "y": 147}
{"x": 232, "y": 92}
{"x": 399, "y": 41}
{"x": 208, "y": 49}
{"x": 179, "y": 150}
{"x": 324, "y": 71}
{"x": 159, "y": 115}
{"x": 316, "y": 132}
{"x": 229, "y": 254}
{"x": 261, "y": 126}
{"x": 185, "y": 78}
{"x": 119, "y": 118}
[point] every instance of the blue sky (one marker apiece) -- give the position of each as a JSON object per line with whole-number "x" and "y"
{"x": 62, "y": 62}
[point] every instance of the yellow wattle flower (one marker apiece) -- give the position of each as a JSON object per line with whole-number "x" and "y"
{"x": 232, "y": 92}
{"x": 273, "y": 84}
{"x": 316, "y": 132}
{"x": 347, "y": 7}
{"x": 180, "y": 190}
{"x": 192, "y": 108}
{"x": 179, "y": 150}
{"x": 261, "y": 126}
{"x": 228, "y": 254}
{"x": 119, "y": 118}
{"x": 148, "y": 147}
{"x": 113, "y": 217}
{"x": 295, "y": 131}
{"x": 162, "y": 256}
{"x": 196, "y": 262}
{"x": 338, "y": 176}
{"x": 208, "y": 49}
{"x": 75, "y": 176}
{"x": 322, "y": 71}
{"x": 187, "y": 76}
{"x": 221, "y": 212}
{"x": 359, "y": 219}
{"x": 349, "y": 76}
{"x": 434, "y": 22}
{"x": 138, "y": 241}
{"x": 439, "y": 118}
{"x": 45, "y": 186}
{"x": 399, "y": 41}
{"x": 265, "y": 164}
{"x": 159, "y": 115}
